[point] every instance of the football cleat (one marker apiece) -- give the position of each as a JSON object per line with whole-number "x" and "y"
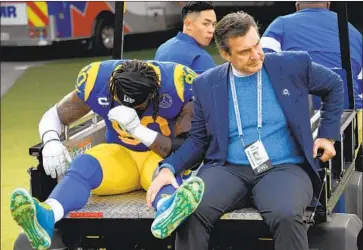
{"x": 176, "y": 208}
{"x": 36, "y": 218}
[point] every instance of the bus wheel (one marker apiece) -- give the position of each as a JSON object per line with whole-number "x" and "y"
{"x": 104, "y": 34}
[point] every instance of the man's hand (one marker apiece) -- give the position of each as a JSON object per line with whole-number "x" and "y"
{"x": 126, "y": 117}
{"x": 165, "y": 177}
{"x": 326, "y": 145}
{"x": 56, "y": 159}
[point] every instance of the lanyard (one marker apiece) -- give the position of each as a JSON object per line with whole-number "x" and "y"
{"x": 236, "y": 108}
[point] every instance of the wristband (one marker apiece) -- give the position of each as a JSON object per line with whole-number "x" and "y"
{"x": 50, "y": 135}
{"x": 145, "y": 135}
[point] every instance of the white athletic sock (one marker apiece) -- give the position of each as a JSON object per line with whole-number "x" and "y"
{"x": 57, "y": 208}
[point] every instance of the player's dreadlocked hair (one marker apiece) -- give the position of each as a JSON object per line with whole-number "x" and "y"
{"x": 132, "y": 82}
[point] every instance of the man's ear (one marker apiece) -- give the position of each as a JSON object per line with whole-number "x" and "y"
{"x": 225, "y": 55}
{"x": 187, "y": 23}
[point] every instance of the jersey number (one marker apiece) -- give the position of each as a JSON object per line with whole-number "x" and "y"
{"x": 82, "y": 77}
{"x": 189, "y": 75}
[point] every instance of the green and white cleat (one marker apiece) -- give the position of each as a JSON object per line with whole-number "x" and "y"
{"x": 36, "y": 219}
{"x": 175, "y": 209}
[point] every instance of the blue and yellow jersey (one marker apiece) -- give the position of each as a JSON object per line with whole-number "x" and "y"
{"x": 175, "y": 90}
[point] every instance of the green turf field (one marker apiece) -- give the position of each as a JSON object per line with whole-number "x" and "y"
{"x": 21, "y": 109}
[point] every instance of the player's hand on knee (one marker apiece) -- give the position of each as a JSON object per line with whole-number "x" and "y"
{"x": 165, "y": 177}
{"x": 56, "y": 159}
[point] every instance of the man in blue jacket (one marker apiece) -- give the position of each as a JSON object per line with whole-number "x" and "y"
{"x": 186, "y": 48}
{"x": 251, "y": 127}
{"x": 314, "y": 28}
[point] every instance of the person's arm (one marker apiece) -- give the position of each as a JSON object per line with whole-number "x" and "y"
{"x": 68, "y": 110}
{"x": 71, "y": 108}
{"x": 164, "y": 145}
{"x": 271, "y": 40}
{"x": 55, "y": 155}
{"x": 329, "y": 86}
{"x": 191, "y": 152}
{"x": 357, "y": 68}
{"x": 195, "y": 146}
{"x": 157, "y": 142}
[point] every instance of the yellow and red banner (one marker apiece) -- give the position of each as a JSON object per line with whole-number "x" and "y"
{"x": 37, "y": 13}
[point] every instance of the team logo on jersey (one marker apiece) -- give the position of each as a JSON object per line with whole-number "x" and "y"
{"x": 165, "y": 101}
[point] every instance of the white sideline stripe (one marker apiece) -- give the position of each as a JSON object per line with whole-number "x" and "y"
{"x": 21, "y": 67}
